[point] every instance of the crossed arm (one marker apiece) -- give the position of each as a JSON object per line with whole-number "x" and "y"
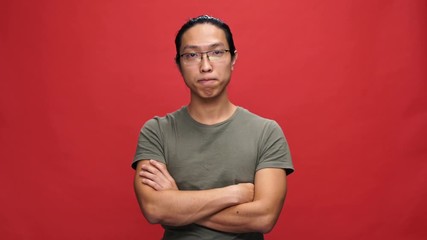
{"x": 237, "y": 208}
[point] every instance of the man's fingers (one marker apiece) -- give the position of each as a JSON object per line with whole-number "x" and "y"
{"x": 152, "y": 180}
{"x": 151, "y": 168}
{"x": 147, "y": 174}
{"x": 151, "y": 183}
{"x": 155, "y": 178}
{"x": 158, "y": 174}
{"x": 162, "y": 168}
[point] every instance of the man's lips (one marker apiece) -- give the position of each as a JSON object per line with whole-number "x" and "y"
{"x": 207, "y": 81}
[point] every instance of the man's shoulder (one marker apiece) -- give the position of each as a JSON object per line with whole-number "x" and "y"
{"x": 254, "y": 118}
{"x": 167, "y": 119}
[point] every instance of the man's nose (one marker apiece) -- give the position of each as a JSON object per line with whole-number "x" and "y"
{"x": 205, "y": 64}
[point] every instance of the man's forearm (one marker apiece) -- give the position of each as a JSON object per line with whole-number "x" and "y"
{"x": 247, "y": 217}
{"x": 161, "y": 202}
{"x": 177, "y": 208}
{"x": 259, "y": 215}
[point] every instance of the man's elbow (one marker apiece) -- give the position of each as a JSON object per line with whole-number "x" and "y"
{"x": 265, "y": 224}
{"x": 151, "y": 213}
{"x": 154, "y": 215}
{"x": 266, "y": 228}
{"x": 151, "y": 219}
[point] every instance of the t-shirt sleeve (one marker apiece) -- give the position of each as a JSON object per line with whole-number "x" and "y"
{"x": 275, "y": 151}
{"x": 150, "y": 143}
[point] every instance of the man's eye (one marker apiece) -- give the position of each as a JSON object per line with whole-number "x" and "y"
{"x": 190, "y": 55}
{"x": 217, "y": 52}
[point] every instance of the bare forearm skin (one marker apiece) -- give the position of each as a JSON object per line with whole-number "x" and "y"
{"x": 257, "y": 216}
{"x": 248, "y": 217}
{"x": 178, "y": 208}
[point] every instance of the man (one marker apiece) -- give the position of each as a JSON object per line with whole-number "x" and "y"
{"x": 210, "y": 170}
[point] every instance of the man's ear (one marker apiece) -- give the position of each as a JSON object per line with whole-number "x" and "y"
{"x": 233, "y": 61}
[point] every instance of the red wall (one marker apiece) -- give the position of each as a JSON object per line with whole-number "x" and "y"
{"x": 345, "y": 79}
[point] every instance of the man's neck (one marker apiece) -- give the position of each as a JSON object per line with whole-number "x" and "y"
{"x": 211, "y": 111}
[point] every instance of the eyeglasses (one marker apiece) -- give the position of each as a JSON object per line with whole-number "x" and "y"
{"x": 196, "y": 57}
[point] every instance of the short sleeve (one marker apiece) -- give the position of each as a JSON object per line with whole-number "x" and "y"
{"x": 150, "y": 143}
{"x": 274, "y": 149}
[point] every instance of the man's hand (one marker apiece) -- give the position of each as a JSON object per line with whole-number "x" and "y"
{"x": 261, "y": 214}
{"x": 156, "y": 175}
{"x": 162, "y": 202}
{"x": 245, "y": 191}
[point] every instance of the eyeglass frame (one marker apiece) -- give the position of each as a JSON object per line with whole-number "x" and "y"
{"x": 203, "y": 53}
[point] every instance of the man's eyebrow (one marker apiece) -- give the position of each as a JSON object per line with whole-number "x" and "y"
{"x": 195, "y": 47}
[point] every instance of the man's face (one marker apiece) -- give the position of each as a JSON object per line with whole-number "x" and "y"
{"x": 206, "y": 78}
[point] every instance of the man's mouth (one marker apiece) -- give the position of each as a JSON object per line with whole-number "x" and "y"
{"x": 207, "y": 81}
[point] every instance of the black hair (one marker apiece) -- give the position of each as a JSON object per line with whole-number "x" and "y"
{"x": 199, "y": 20}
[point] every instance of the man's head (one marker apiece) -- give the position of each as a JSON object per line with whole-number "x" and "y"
{"x": 204, "y": 19}
{"x": 205, "y": 56}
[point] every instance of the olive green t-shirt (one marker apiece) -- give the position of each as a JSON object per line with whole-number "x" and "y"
{"x": 200, "y": 156}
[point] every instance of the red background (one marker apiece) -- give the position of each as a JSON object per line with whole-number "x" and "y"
{"x": 345, "y": 79}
